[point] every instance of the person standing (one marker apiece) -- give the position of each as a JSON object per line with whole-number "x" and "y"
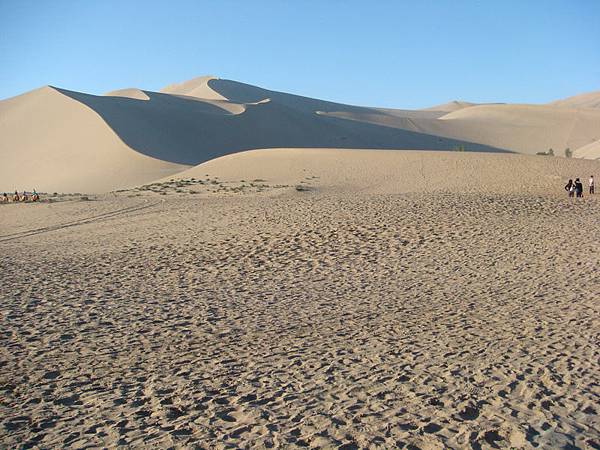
{"x": 591, "y": 184}
{"x": 578, "y": 188}
{"x": 570, "y": 187}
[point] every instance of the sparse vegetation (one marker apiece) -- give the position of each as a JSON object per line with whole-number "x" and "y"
{"x": 458, "y": 148}
{"x": 568, "y": 153}
{"x": 550, "y": 152}
{"x": 203, "y": 186}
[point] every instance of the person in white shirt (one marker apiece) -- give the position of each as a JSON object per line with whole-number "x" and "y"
{"x": 591, "y": 184}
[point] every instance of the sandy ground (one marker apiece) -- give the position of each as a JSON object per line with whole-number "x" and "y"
{"x": 269, "y": 317}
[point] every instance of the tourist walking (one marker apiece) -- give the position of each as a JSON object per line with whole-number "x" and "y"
{"x": 578, "y": 188}
{"x": 591, "y": 184}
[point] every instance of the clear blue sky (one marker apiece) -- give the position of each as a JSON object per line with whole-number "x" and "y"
{"x": 404, "y": 54}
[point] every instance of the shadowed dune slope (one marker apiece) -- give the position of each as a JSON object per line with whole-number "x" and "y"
{"x": 50, "y": 142}
{"x": 54, "y": 138}
{"x": 518, "y": 128}
{"x": 377, "y": 171}
{"x": 196, "y": 87}
{"x": 188, "y": 130}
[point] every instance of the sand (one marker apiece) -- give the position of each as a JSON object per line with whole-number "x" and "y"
{"x": 526, "y": 129}
{"x": 53, "y": 143}
{"x": 132, "y": 93}
{"x": 589, "y": 151}
{"x": 57, "y": 140}
{"x": 585, "y": 100}
{"x": 390, "y": 302}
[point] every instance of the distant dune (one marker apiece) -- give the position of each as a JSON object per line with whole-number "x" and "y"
{"x": 196, "y": 87}
{"x": 518, "y": 128}
{"x": 589, "y": 151}
{"x": 129, "y": 93}
{"x": 454, "y": 105}
{"x": 57, "y": 139}
{"x": 587, "y": 100}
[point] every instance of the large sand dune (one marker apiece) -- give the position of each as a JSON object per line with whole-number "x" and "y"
{"x": 519, "y": 128}
{"x": 50, "y": 142}
{"x": 54, "y": 139}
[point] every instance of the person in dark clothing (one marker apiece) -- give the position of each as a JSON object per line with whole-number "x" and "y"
{"x": 578, "y": 188}
{"x": 570, "y": 188}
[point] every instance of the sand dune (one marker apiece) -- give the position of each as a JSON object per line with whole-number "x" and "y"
{"x": 587, "y": 100}
{"x": 196, "y": 87}
{"x": 525, "y": 128}
{"x": 519, "y": 128}
{"x": 101, "y": 139}
{"x": 590, "y": 151}
{"x": 454, "y": 105}
{"x": 384, "y": 172}
{"x": 50, "y": 142}
{"x": 432, "y": 300}
{"x": 129, "y": 93}
{"x": 96, "y": 135}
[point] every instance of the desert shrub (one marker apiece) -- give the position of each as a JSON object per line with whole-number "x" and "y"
{"x": 550, "y": 152}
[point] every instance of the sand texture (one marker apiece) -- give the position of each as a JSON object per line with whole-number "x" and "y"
{"x": 55, "y": 140}
{"x": 51, "y": 142}
{"x": 590, "y": 151}
{"x": 586, "y": 100}
{"x": 315, "y": 304}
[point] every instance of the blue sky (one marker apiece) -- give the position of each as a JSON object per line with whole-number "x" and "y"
{"x": 404, "y": 54}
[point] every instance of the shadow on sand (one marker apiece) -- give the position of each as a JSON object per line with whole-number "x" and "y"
{"x": 187, "y": 130}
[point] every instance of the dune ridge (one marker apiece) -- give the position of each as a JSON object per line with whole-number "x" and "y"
{"x": 95, "y": 143}
{"x": 196, "y": 87}
{"x": 585, "y": 100}
{"x": 129, "y": 93}
{"x": 50, "y": 142}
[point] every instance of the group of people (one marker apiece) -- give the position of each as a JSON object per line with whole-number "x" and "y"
{"x": 575, "y": 188}
{"x": 25, "y": 197}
